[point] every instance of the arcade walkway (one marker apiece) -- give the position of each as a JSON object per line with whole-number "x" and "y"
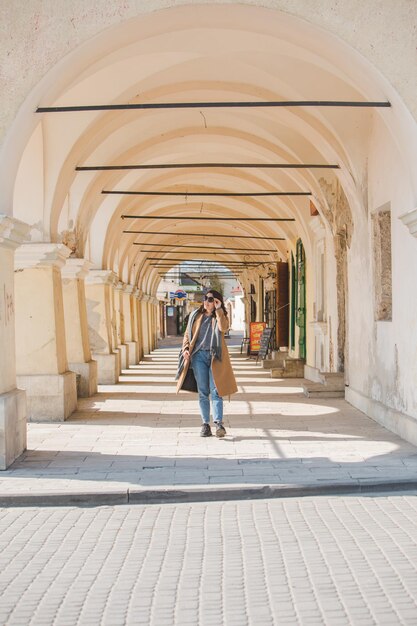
{"x": 139, "y": 435}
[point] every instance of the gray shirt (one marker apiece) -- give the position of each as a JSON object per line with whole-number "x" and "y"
{"x": 205, "y": 334}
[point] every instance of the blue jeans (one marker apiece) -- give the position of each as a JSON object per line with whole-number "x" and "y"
{"x": 201, "y": 364}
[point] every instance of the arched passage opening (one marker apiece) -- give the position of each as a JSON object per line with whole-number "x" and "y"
{"x": 351, "y": 162}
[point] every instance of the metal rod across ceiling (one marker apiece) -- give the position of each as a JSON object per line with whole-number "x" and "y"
{"x": 205, "y": 193}
{"x": 211, "y": 264}
{"x": 175, "y": 271}
{"x": 213, "y": 105}
{"x": 210, "y": 253}
{"x": 176, "y": 245}
{"x": 215, "y": 219}
{"x": 174, "y": 166}
{"x": 204, "y": 268}
{"x": 213, "y": 235}
{"x": 204, "y": 262}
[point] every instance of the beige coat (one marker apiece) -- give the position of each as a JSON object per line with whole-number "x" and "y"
{"x": 224, "y": 378}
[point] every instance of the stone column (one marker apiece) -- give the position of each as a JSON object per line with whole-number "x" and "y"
{"x": 99, "y": 300}
{"x": 120, "y": 325}
{"x": 41, "y": 352}
{"x": 151, "y": 309}
{"x": 114, "y": 324}
{"x": 246, "y": 303}
{"x": 128, "y": 312}
{"x": 76, "y": 326}
{"x": 12, "y": 400}
{"x": 154, "y": 327}
{"x": 138, "y": 322}
{"x": 145, "y": 323}
{"x": 134, "y": 322}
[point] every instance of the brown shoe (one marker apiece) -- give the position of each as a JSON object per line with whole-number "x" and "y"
{"x": 220, "y": 429}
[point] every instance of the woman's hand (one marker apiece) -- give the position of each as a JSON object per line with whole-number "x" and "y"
{"x": 217, "y": 304}
{"x": 186, "y": 354}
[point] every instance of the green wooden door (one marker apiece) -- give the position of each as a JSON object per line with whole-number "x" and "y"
{"x": 293, "y": 302}
{"x": 301, "y": 299}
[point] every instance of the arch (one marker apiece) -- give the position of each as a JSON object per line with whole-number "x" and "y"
{"x": 214, "y": 53}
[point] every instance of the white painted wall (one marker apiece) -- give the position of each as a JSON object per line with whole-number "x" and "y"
{"x": 382, "y": 363}
{"x": 238, "y": 313}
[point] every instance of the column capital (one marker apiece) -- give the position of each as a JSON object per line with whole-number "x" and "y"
{"x": 409, "y": 219}
{"x": 120, "y": 285}
{"x": 30, "y": 255}
{"x": 129, "y": 289}
{"x": 101, "y": 277}
{"x": 76, "y": 268}
{"x": 12, "y": 232}
{"x": 146, "y": 297}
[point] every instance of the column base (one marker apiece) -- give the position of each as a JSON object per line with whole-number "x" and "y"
{"x": 124, "y": 355}
{"x": 133, "y": 352}
{"x": 107, "y": 368}
{"x": 312, "y": 373}
{"x": 12, "y": 426}
{"x": 88, "y": 382}
{"x": 50, "y": 397}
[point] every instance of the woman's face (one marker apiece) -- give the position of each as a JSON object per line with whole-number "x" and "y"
{"x": 209, "y": 302}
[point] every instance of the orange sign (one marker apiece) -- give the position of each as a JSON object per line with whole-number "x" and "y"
{"x": 256, "y": 330}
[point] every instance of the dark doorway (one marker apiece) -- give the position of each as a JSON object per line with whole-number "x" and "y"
{"x": 172, "y": 320}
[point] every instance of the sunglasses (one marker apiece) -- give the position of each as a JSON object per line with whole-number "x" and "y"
{"x": 209, "y": 298}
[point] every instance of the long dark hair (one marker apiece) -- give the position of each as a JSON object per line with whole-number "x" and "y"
{"x": 218, "y": 296}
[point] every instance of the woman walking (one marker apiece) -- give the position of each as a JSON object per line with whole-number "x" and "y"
{"x": 204, "y": 350}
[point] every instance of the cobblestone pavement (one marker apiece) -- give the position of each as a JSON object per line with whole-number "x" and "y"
{"x": 333, "y": 561}
{"x": 139, "y": 435}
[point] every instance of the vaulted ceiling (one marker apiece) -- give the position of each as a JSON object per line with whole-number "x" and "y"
{"x": 204, "y": 54}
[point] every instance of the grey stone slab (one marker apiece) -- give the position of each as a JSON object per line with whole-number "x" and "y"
{"x": 64, "y": 499}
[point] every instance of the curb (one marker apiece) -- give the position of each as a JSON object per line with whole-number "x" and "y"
{"x": 173, "y": 496}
